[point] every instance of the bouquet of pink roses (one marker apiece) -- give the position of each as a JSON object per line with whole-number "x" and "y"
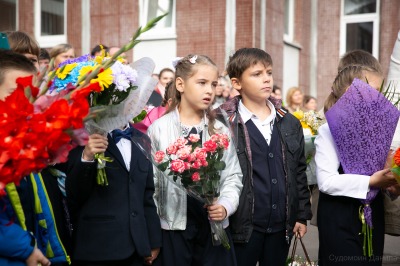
{"x": 198, "y": 169}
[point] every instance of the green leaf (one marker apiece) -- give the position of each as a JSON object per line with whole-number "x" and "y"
{"x": 396, "y": 170}
{"x": 309, "y": 158}
{"x": 288, "y": 261}
{"x": 215, "y": 183}
{"x": 220, "y": 165}
{"x": 163, "y": 166}
{"x": 198, "y": 189}
{"x": 175, "y": 178}
{"x": 112, "y": 96}
{"x": 380, "y": 90}
{"x": 140, "y": 117}
{"x": 153, "y": 23}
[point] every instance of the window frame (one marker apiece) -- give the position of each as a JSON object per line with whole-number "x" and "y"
{"x": 289, "y": 37}
{"x": 360, "y": 18}
{"x": 52, "y": 40}
{"x": 156, "y": 33}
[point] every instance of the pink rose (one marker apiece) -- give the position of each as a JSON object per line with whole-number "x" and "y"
{"x": 194, "y": 138}
{"x": 215, "y": 138}
{"x": 224, "y": 144}
{"x": 191, "y": 157}
{"x": 187, "y": 166}
{"x": 201, "y": 154}
{"x": 184, "y": 152}
{"x": 223, "y": 136}
{"x": 196, "y": 177}
{"x": 210, "y": 146}
{"x": 171, "y": 149}
{"x": 196, "y": 165}
{"x": 159, "y": 157}
{"x": 180, "y": 142}
{"x": 204, "y": 163}
{"x": 178, "y": 166}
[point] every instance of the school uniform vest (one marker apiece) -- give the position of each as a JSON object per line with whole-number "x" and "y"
{"x": 269, "y": 181}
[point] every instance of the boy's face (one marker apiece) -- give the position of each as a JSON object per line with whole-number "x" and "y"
{"x": 43, "y": 62}
{"x": 256, "y": 82}
{"x": 9, "y": 84}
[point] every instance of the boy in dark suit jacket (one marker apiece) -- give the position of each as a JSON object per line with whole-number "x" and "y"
{"x": 116, "y": 224}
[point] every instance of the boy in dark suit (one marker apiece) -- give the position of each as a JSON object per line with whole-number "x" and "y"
{"x": 275, "y": 201}
{"x": 116, "y": 224}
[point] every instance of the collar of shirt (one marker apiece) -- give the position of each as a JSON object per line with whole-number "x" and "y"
{"x": 247, "y": 115}
{"x": 126, "y": 127}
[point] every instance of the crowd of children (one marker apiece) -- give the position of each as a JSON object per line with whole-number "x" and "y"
{"x": 141, "y": 218}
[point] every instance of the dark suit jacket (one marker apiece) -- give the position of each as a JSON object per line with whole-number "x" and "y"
{"x": 116, "y": 220}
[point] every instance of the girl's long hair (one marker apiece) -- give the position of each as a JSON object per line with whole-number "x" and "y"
{"x": 185, "y": 70}
{"x": 344, "y": 79}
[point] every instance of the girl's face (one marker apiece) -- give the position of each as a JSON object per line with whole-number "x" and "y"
{"x": 198, "y": 91}
{"x": 278, "y": 94}
{"x": 311, "y": 105}
{"x": 220, "y": 88}
{"x": 297, "y": 97}
{"x": 166, "y": 77}
{"x": 226, "y": 92}
{"x": 34, "y": 59}
{"x": 70, "y": 54}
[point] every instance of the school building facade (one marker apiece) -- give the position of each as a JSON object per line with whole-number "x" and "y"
{"x": 304, "y": 37}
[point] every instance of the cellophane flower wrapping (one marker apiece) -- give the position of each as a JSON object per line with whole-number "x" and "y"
{"x": 195, "y": 169}
{"x": 116, "y": 116}
{"x": 362, "y": 123}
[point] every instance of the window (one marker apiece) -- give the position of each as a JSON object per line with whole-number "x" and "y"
{"x": 8, "y": 15}
{"x": 50, "y": 22}
{"x": 165, "y": 28}
{"x": 360, "y": 26}
{"x": 288, "y": 36}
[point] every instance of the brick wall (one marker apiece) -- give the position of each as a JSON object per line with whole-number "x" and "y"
{"x": 389, "y": 28}
{"x": 113, "y": 22}
{"x": 244, "y": 24}
{"x": 74, "y": 25}
{"x": 275, "y": 26}
{"x": 328, "y": 47}
{"x": 302, "y": 35}
{"x": 201, "y": 29}
{"x": 26, "y": 16}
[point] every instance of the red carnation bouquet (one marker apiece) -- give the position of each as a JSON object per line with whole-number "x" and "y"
{"x": 39, "y": 130}
{"x": 198, "y": 170}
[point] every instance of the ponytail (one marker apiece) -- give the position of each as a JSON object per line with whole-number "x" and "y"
{"x": 344, "y": 79}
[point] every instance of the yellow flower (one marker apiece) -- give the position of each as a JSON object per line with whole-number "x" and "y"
{"x": 66, "y": 71}
{"x": 104, "y": 79}
{"x": 304, "y": 125}
{"x": 101, "y": 57}
{"x": 299, "y": 115}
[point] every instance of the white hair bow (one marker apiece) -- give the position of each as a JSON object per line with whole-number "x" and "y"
{"x": 176, "y": 60}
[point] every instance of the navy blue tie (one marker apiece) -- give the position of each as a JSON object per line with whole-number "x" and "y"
{"x": 118, "y": 134}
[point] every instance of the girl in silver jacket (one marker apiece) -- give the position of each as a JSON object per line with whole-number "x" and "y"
{"x": 184, "y": 220}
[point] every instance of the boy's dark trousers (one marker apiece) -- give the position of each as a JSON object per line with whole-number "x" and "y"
{"x": 267, "y": 249}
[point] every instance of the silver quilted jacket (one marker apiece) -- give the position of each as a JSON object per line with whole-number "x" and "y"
{"x": 171, "y": 200}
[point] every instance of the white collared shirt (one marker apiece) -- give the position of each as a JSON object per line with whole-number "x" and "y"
{"x": 266, "y": 126}
{"x": 328, "y": 178}
{"x": 125, "y": 148}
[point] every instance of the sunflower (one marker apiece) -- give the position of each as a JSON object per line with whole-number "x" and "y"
{"x": 104, "y": 78}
